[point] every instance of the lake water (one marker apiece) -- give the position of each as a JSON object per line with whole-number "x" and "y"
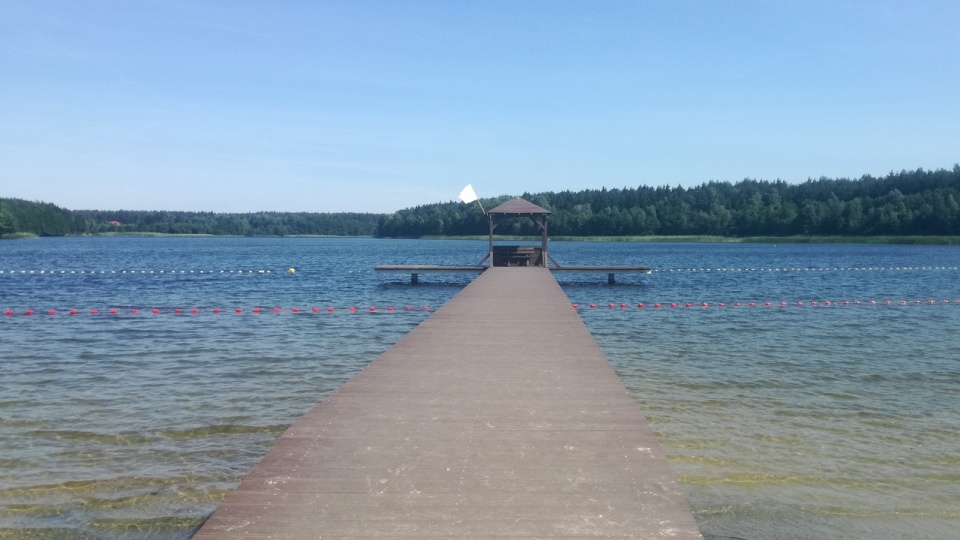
{"x": 837, "y": 420}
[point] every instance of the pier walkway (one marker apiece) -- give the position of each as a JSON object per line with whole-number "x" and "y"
{"x": 496, "y": 417}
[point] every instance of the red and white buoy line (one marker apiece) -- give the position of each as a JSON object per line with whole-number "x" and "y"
{"x": 766, "y": 304}
{"x": 244, "y": 272}
{"x": 216, "y": 311}
{"x": 809, "y": 269}
{"x": 622, "y": 306}
{"x": 140, "y": 272}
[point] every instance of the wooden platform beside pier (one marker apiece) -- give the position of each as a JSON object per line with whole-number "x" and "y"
{"x": 496, "y": 417}
{"x": 416, "y": 269}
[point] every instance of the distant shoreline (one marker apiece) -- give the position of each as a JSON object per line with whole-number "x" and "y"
{"x": 892, "y": 240}
{"x": 18, "y": 236}
{"x": 881, "y": 240}
{"x": 31, "y": 236}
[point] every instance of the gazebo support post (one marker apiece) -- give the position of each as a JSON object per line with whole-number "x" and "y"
{"x": 492, "y": 227}
{"x": 543, "y": 240}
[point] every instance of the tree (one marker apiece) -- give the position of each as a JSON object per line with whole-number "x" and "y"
{"x": 8, "y": 222}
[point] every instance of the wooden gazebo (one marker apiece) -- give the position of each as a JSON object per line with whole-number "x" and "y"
{"x": 518, "y": 255}
{"x": 515, "y": 255}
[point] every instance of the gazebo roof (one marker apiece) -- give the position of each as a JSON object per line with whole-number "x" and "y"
{"x": 518, "y": 207}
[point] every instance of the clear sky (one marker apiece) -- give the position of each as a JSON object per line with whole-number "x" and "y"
{"x": 237, "y": 106}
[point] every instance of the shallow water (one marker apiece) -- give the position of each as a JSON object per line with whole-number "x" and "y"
{"x": 790, "y": 421}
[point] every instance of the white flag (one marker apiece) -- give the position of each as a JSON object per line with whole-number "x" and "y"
{"x": 468, "y": 195}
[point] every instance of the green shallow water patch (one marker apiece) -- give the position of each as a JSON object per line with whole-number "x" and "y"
{"x": 43, "y": 533}
{"x": 221, "y": 430}
{"x": 944, "y": 460}
{"x": 91, "y": 488}
{"x": 142, "y": 502}
{"x": 146, "y": 527}
{"x": 760, "y": 480}
{"x": 16, "y": 463}
{"x": 120, "y": 439}
{"x": 183, "y": 496}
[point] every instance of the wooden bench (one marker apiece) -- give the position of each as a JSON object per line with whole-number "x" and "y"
{"x": 517, "y": 255}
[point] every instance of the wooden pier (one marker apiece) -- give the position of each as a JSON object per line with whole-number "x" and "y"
{"x": 496, "y": 417}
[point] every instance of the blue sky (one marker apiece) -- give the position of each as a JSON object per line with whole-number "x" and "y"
{"x": 237, "y": 106}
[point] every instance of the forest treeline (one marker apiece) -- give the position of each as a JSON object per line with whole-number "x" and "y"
{"x": 916, "y": 202}
{"x": 47, "y": 219}
{"x": 920, "y": 202}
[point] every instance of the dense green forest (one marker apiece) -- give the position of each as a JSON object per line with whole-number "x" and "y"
{"x": 915, "y": 203}
{"x": 906, "y": 203}
{"x": 46, "y": 219}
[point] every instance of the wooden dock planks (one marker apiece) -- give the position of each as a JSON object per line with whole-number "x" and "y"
{"x": 497, "y": 417}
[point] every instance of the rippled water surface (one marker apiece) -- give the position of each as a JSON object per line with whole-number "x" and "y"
{"x": 837, "y": 420}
